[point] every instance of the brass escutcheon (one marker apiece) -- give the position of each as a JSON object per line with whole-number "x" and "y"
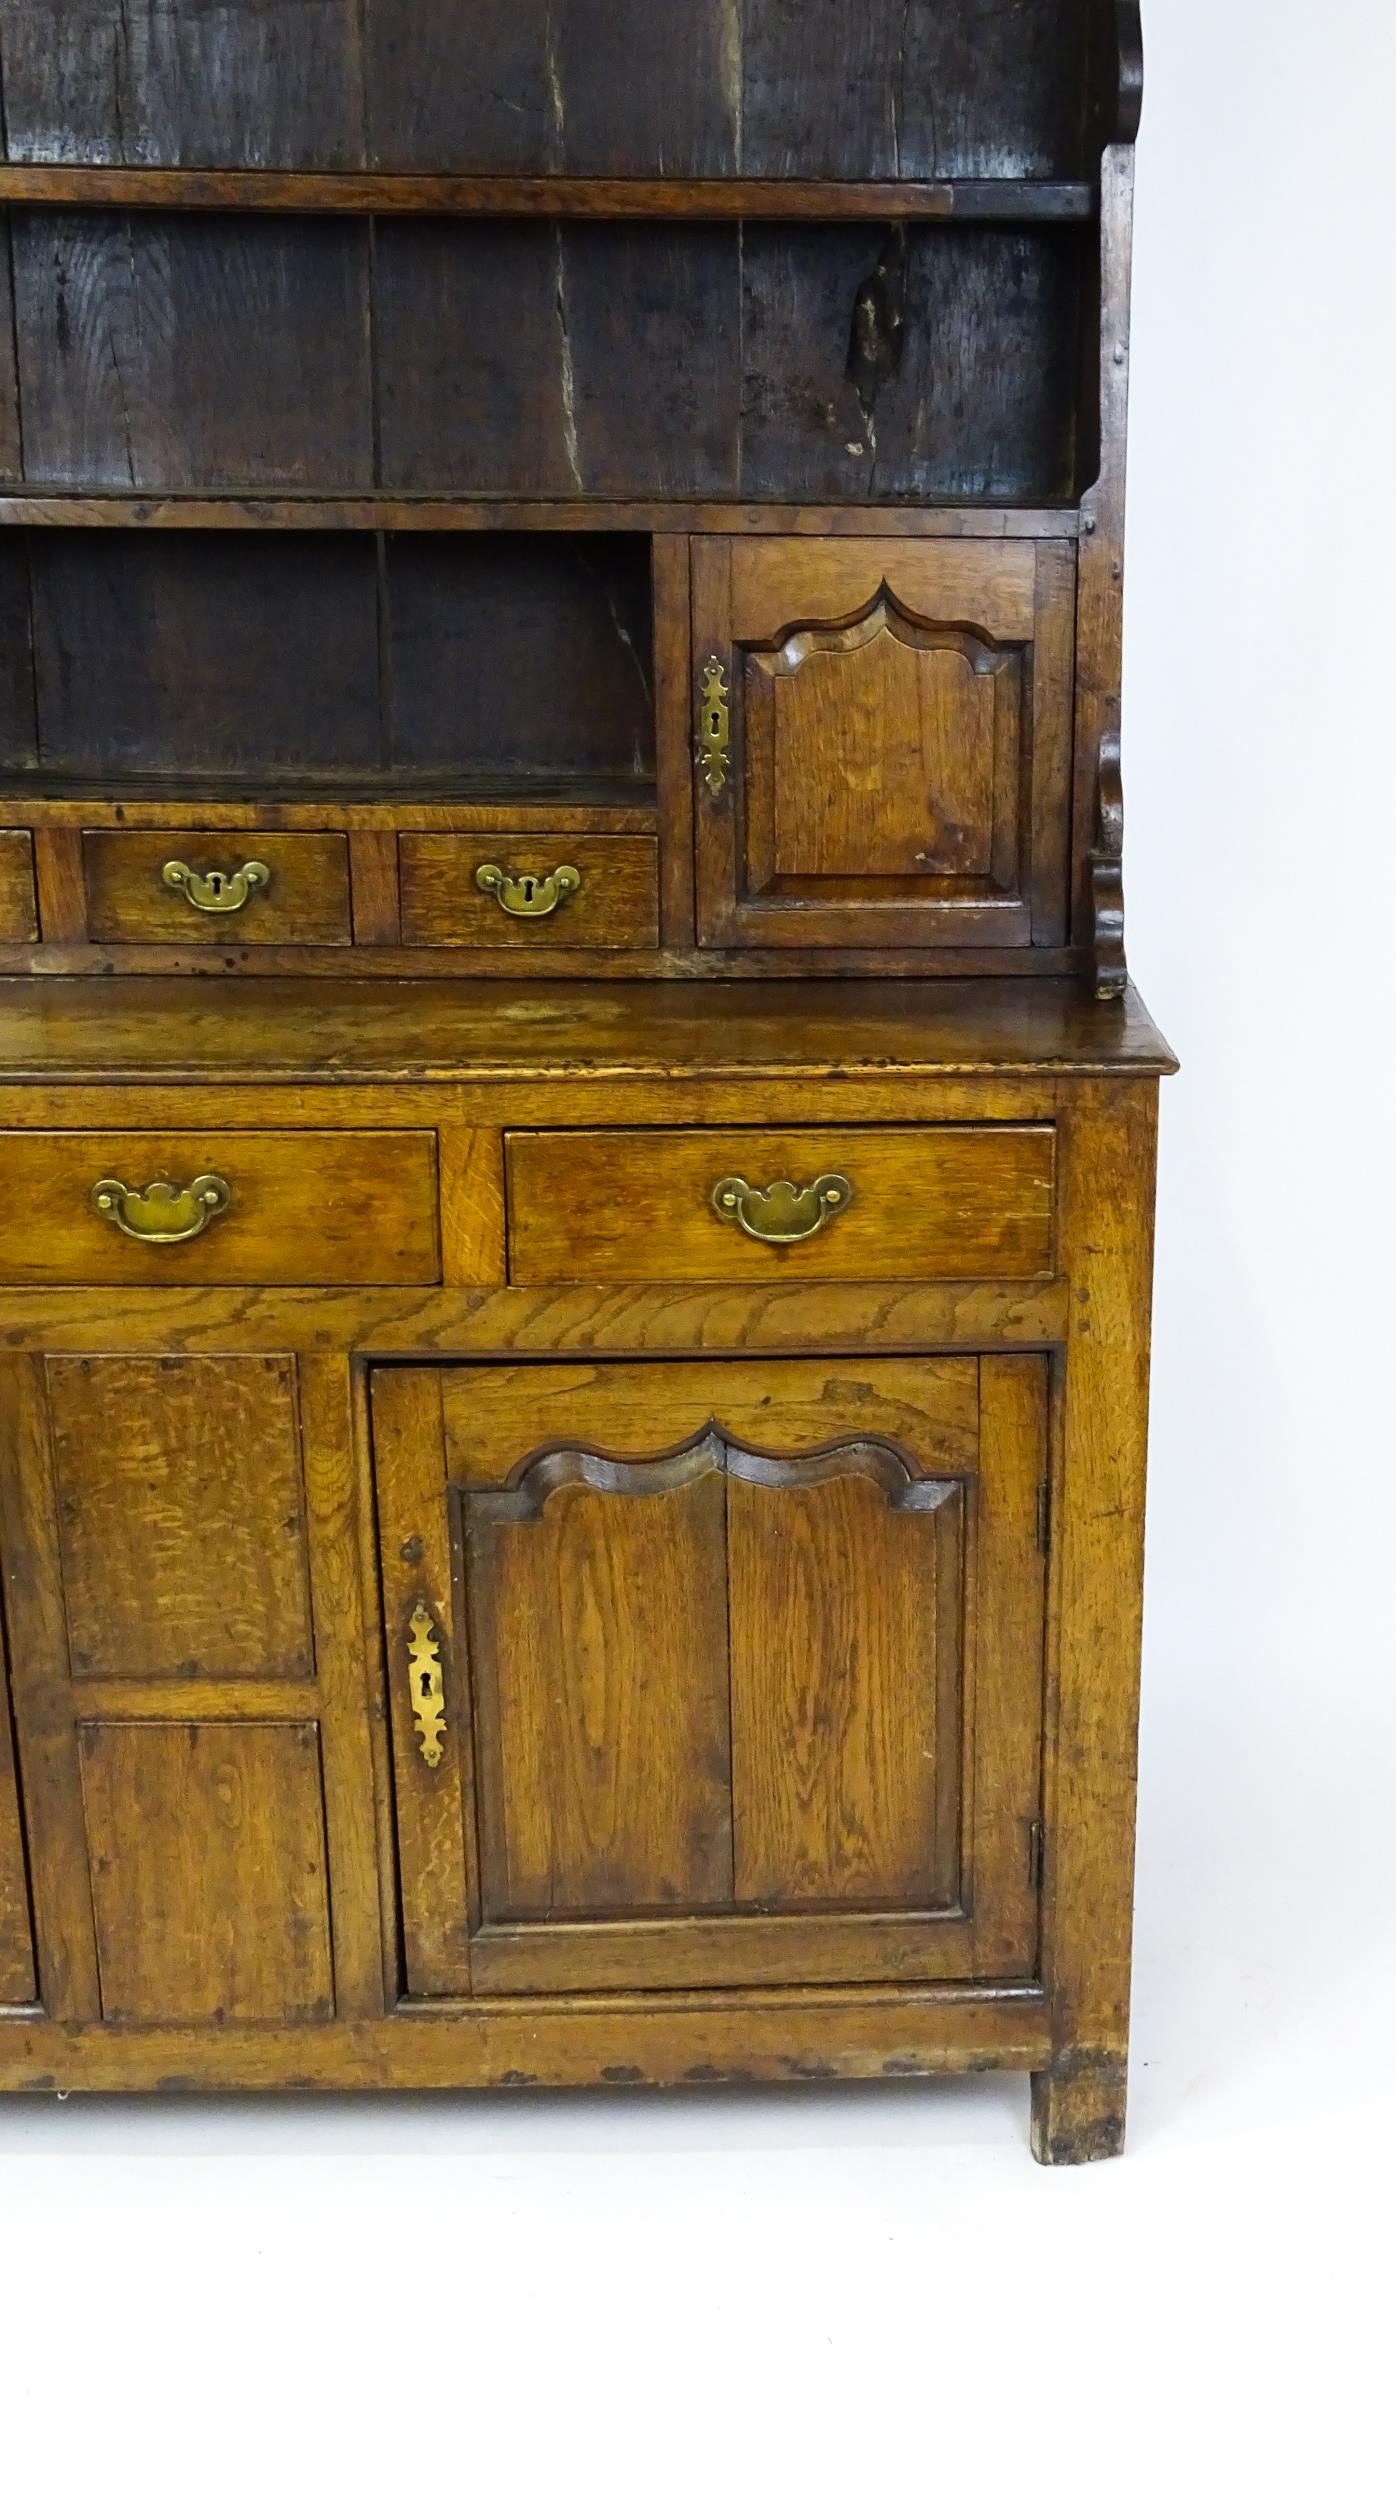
{"x": 714, "y": 726}
{"x": 220, "y": 889}
{"x": 427, "y": 1687}
{"x": 785, "y": 1212}
{"x": 526, "y": 896}
{"x": 162, "y": 1211}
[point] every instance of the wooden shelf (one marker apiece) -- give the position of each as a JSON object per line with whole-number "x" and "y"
{"x": 20, "y": 510}
{"x": 491, "y": 195}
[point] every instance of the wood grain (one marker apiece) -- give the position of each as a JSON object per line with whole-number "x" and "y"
{"x": 616, "y": 905}
{"x": 306, "y": 902}
{"x": 18, "y": 1968}
{"x": 208, "y": 1864}
{"x": 19, "y": 918}
{"x": 630, "y": 1205}
{"x": 438, "y": 1886}
{"x": 350, "y": 1210}
{"x": 182, "y": 1517}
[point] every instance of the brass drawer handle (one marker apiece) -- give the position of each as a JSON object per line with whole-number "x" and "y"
{"x": 222, "y": 889}
{"x": 528, "y": 897}
{"x": 787, "y": 1211}
{"x": 161, "y": 1212}
{"x": 428, "y": 1688}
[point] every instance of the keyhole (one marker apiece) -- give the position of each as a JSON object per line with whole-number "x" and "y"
{"x": 216, "y": 883}
{"x": 529, "y": 887}
{"x": 426, "y": 1687}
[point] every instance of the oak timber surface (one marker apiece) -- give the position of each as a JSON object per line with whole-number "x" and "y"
{"x": 217, "y": 1029}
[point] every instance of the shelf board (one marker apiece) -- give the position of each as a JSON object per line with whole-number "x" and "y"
{"x": 548, "y": 195}
{"x": 614, "y": 805}
{"x": 21, "y": 510}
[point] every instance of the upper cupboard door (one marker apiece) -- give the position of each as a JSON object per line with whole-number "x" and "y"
{"x": 713, "y": 1674}
{"x": 884, "y": 742}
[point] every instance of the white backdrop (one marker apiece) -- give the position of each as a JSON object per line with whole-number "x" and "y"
{"x": 877, "y": 2293}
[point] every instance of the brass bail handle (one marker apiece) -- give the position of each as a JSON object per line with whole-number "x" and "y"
{"x": 524, "y": 894}
{"x": 785, "y": 1212}
{"x": 163, "y": 1212}
{"x": 217, "y": 889}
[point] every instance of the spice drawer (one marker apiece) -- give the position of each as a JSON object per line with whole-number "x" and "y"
{"x": 209, "y": 1207}
{"x": 529, "y": 890}
{"x": 183, "y": 889}
{"x": 690, "y": 1205}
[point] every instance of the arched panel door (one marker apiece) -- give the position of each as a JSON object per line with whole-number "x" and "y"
{"x": 731, "y": 1676}
{"x": 884, "y": 742}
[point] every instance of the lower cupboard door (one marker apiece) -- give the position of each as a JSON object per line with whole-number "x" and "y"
{"x": 714, "y": 1674}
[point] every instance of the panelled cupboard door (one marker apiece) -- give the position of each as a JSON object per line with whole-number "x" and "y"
{"x": 884, "y": 741}
{"x": 713, "y": 1674}
{"x": 194, "y": 1761}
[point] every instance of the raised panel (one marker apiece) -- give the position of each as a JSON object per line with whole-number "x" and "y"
{"x": 182, "y": 1517}
{"x": 207, "y": 1849}
{"x": 598, "y": 1630}
{"x": 880, "y": 752}
{"x": 741, "y": 1669}
{"x": 845, "y": 1584}
{"x": 899, "y": 750}
{"x": 18, "y": 918}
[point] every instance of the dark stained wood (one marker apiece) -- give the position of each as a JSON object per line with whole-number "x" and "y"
{"x": 614, "y": 87}
{"x": 18, "y": 733}
{"x": 978, "y": 397}
{"x": 899, "y": 89}
{"x": 700, "y": 201}
{"x": 11, "y": 432}
{"x": 208, "y": 1866}
{"x": 551, "y": 515}
{"x": 182, "y": 1518}
{"x": 608, "y": 1205}
{"x": 193, "y": 353}
{"x": 250, "y": 82}
{"x": 226, "y": 655}
{"x": 525, "y": 657}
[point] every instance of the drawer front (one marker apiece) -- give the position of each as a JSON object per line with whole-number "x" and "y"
{"x": 530, "y": 890}
{"x": 211, "y": 889}
{"x": 711, "y": 1204}
{"x": 19, "y": 924}
{"x": 273, "y": 1209}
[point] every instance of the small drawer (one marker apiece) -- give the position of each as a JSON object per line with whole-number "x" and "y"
{"x": 211, "y": 889}
{"x": 233, "y": 1207}
{"x": 873, "y": 1205}
{"x": 19, "y": 923}
{"x": 530, "y": 890}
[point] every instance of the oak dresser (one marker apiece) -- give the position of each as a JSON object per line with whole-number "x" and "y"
{"x": 577, "y": 1169}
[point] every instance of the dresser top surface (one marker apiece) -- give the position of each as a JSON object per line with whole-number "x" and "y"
{"x": 222, "y": 1029}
